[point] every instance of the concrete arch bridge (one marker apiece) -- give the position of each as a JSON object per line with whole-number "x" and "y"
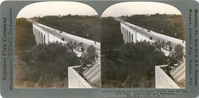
{"x": 45, "y": 34}
{"x": 133, "y": 33}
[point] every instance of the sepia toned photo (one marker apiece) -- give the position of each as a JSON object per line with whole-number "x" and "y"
{"x": 143, "y": 46}
{"x": 57, "y": 45}
{"x": 99, "y": 49}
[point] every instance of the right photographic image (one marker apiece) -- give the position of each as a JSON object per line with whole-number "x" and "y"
{"x": 143, "y": 46}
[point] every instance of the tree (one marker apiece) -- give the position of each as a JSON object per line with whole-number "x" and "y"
{"x": 70, "y": 23}
{"x": 171, "y": 25}
{"x": 138, "y": 61}
{"x": 24, "y": 37}
{"x": 124, "y": 50}
{"x": 80, "y": 46}
{"x": 179, "y": 52}
{"x": 70, "y": 46}
{"x": 49, "y": 60}
{"x": 91, "y": 52}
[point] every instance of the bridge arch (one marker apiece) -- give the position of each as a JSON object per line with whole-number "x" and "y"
{"x": 39, "y": 37}
{"x": 132, "y": 37}
{"x": 44, "y": 39}
{"x": 129, "y": 36}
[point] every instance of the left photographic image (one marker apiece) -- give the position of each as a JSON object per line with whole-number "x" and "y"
{"x": 57, "y": 45}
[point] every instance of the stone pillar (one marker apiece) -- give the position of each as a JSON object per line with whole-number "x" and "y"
{"x": 126, "y": 36}
{"x": 123, "y": 31}
{"x": 39, "y": 37}
{"x": 36, "y": 35}
{"x": 130, "y": 40}
{"x": 47, "y": 37}
{"x": 44, "y": 39}
{"x": 131, "y": 37}
{"x": 135, "y": 36}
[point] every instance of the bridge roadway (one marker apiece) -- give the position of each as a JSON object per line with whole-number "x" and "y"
{"x": 68, "y": 37}
{"x": 155, "y": 36}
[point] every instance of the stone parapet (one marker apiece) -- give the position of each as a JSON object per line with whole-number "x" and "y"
{"x": 75, "y": 80}
{"x": 162, "y": 80}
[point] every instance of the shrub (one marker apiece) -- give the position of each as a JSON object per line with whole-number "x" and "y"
{"x": 46, "y": 62}
{"x": 138, "y": 60}
{"x": 179, "y": 53}
{"x": 142, "y": 57}
{"x": 24, "y": 37}
{"x": 91, "y": 52}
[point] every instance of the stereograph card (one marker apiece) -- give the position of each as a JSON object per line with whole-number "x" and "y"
{"x": 99, "y": 49}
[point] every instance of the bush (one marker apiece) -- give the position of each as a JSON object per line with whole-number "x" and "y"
{"x": 138, "y": 60}
{"x": 46, "y": 62}
{"x": 91, "y": 52}
{"x": 143, "y": 56}
{"x": 179, "y": 53}
{"x": 24, "y": 37}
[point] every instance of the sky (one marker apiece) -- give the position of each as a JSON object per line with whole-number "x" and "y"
{"x": 75, "y": 8}
{"x": 55, "y": 8}
{"x": 132, "y": 8}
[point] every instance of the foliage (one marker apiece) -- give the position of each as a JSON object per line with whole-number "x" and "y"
{"x": 24, "y": 38}
{"x": 111, "y": 33}
{"x": 179, "y": 53}
{"x": 88, "y": 57}
{"x": 70, "y": 46}
{"x": 91, "y": 52}
{"x": 51, "y": 60}
{"x": 84, "y": 26}
{"x": 138, "y": 59}
{"x": 171, "y": 25}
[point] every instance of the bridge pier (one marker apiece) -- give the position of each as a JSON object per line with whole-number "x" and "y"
{"x": 129, "y": 35}
{"x": 133, "y": 33}
{"x": 41, "y": 36}
{"x": 44, "y": 34}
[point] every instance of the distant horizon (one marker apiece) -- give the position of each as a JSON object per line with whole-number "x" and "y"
{"x": 56, "y": 15}
{"x": 100, "y": 17}
{"x": 141, "y": 14}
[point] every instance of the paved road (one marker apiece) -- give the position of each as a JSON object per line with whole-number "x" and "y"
{"x": 68, "y": 37}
